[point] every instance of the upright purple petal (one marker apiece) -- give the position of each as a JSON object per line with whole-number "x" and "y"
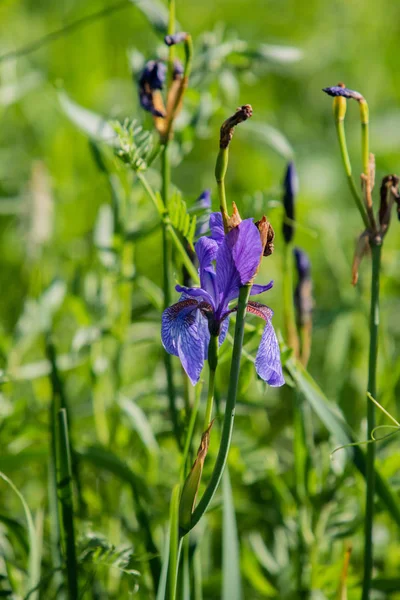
{"x": 238, "y": 258}
{"x": 268, "y": 359}
{"x": 217, "y": 227}
{"x": 206, "y": 250}
{"x": 184, "y": 333}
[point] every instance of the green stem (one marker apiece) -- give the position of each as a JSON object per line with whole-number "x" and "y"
{"x": 167, "y": 258}
{"x": 220, "y": 172}
{"x": 175, "y": 542}
{"x": 229, "y": 416}
{"x": 64, "y": 487}
{"x": 212, "y": 363}
{"x": 370, "y": 460}
{"x": 347, "y": 167}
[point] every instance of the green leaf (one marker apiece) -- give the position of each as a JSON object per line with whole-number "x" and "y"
{"x": 155, "y": 12}
{"x": 231, "y": 576}
{"x": 34, "y": 542}
{"x": 261, "y": 133}
{"x": 90, "y": 123}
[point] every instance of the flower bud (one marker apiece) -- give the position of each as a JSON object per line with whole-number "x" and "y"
{"x": 152, "y": 78}
{"x": 344, "y": 92}
{"x": 192, "y": 483}
{"x": 290, "y": 188}
{"x": 303, "y": 292}
{"x": 176, "y": 38}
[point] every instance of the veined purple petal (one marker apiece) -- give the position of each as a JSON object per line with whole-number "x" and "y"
{"x": 170, "y": 318}
{"x": 206, "y": 250}
{"x": 238, "y": 258}
{"x": 184, "y": 333}
{"x": 262, "y": 311}
{"x": 217, "y": 227}
{"x": 268, "y": 359}
{"x": 259, "y": 289}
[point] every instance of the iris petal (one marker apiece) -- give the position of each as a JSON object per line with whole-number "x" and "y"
{"x": 268, "y": 359}
{"x": 238, "y": 258}
{"x": 259, "y": 289}
{"x": 184, "y": 333}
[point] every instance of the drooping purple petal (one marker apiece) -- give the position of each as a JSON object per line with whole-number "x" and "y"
{"x": 169, "y": 322}
{"x": 237, "y": 259}
{"x": 184, "y": 333}
{"x": 224, "y": 329}
{"x": 259, "y": 289}
{"x": 262, "y": 311}
{"x": 268, "y": 359}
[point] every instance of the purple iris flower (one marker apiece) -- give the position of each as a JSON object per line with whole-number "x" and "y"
{"x": 204, "y": 311}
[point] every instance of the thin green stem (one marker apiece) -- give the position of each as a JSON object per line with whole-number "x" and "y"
{"x": 210, "y": 399}
{"x": 347, "y": 167}
{"x": 370, "y": 460}
{"x": 212, "y": 364}
{"x": 229, "y": 416}
{"x": 175, "y": 542}
{"x": 64, "y": 487}
{"x": 167, "y": 258}
{"x": 191, "y": 269}
{"x": 221, "y": 167}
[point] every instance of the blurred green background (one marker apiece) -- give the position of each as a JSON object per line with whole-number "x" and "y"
{"x": 51, "y": 193}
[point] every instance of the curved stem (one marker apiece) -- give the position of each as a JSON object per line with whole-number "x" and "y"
{"x": 229, "y": 409}
{"x": 370, "y": 470}
{"x": 347, "y": 167}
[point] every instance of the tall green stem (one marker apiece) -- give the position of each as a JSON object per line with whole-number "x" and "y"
{"x": 347, "y": 167}
{"x": 229, "y": 417}
{"x": 370, "y": 471}
{"x": 166, "y": 178}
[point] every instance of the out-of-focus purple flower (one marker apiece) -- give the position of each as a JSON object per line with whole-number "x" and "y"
{"x": 303, "y": 293}
{"x": 290, "y": 188}
{"x": 176, "y": 38}
{"x": 338, "y": 90}
{"x": 204, "y": 311}
{"x": 152, "y": 78}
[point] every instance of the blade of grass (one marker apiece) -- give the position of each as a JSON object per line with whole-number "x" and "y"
{"x": 231, "y": 575}
{"x": 34, "y": 545}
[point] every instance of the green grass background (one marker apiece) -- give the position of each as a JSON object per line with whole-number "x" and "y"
{"x": 351, "y": 41}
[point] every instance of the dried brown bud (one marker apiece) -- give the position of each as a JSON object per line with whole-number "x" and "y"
{"x": 388, "y": 195}
{"x": 267, "y": 235}
{"x": 230, "y": 222}
{"x": 227, "y": 128}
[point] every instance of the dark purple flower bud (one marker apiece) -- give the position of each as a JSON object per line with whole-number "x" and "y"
{"x": 303, "y": 293}
{"x": 338, "y": 90}
{"x": 152, "y": 78}
{"x": 153, "y": 75}
{"x": 290, "y": 189}
{"x": 176, "y": 38}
